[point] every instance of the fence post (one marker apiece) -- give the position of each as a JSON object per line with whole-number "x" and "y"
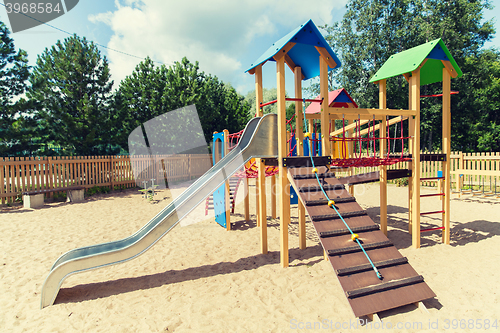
{"x": 112, "y": 172}
{"x": 190, "y": 156}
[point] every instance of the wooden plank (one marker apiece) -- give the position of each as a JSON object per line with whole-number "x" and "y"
{"x": 326, "y": 58}
{"x": 370, "y": 112}
{"x": 312, "y": 176}
{"x": 357, "y": 248}
{"x": 2, "y": 179}
{"x": 398, "y": 173}
{"x": 315, "y": 188}
{"x": 450, "y": 71}
{"x": 18, "y": 177}
{"x": 280, "y": 56}
{"x": 368, "y": 267}
{"x": 324, "y": 201}
{"x": 345, "y": 215}
{"x": 303, "y": 161}
{"x": 339, "y": 232}
{"x": 494, "y": 173}
{"x": 361, "y": 178}
{"x": 384, "y": 286}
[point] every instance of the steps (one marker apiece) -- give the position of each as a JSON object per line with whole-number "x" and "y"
{"x": 234, "y": 183}
{"x": 366, "y": 294}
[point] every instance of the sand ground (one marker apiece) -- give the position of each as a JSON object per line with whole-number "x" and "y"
{"x": 202, "y": 278}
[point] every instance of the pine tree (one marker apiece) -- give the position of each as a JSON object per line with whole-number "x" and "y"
{"x": 16, "y": 128}
{"x": 71, "y": 93}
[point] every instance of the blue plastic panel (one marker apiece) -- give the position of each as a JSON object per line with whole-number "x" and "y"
{"x": 219, "y": 196}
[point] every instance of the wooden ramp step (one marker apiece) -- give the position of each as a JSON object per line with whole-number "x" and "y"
{"x": 366, "y": 294}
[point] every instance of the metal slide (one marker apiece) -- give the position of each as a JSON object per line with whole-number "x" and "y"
{"x": 260, "y": 139}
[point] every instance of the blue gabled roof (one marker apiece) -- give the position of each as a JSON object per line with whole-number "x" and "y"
{"x": 304, "y": 53}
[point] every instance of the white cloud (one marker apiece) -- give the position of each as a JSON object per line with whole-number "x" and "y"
{"x": 217, "y": 33}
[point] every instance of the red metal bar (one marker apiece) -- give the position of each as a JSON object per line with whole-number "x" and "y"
{"x": 439, "y": 95}
{"x": 436, "y": 212}
{"x": 431, "y": 178}
{"x": 320, "y": 101}
{"x": 268, "y": 103}
{"x": 431, "y": 195}
{"x": 432, "y": 229}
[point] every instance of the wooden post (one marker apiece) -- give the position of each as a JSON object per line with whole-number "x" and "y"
{"x": 325, "y": 112}
{"x": 446, "y": 150}
{"x": 50, "y": 183}
{"x": 247, "y": 200}
{"x": 262, "y": 206}
{"x": 299, "y": 136}
{"x": 273, "y": 196}
{"x": 228, "y": 188}
{"x": 415, "y": 95}
{"x": 410, "y": 150}
{"x": 382, "y": 102}
{"x": 258, "y": 91}
{"x": 282, "y": 179}
{"x": 258, "y": 113}
{"x": 460, "y": 166}
{"x": 111, "y": 171}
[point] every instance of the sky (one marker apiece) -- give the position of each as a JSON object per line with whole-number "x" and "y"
{"x": 225, "y": 36}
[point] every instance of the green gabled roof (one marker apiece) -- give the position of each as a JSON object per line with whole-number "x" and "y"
{"x": 409, "y": 60}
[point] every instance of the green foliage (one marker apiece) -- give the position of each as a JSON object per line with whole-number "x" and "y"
{"x": 93, "y": 190}
{"x": 59, "y": 197}
{"x": 16, "y": 128}
{"x": 372, "y": 30}
{"x": 401, "y": 182}
{"x": 153, "y": 90}
{"x": 71, "y": 93}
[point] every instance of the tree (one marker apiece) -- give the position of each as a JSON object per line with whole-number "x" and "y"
{"x": 15, "y": 128}
{"x": 152, "y": 90}
{"x": 71, "y": 93}
{"x": 139, "y": 99}
{"x": 372, "y": 30}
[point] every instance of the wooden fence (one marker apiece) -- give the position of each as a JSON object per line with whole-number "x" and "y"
{"x": 21, "y": 174}
{"x": 479, "y": 171}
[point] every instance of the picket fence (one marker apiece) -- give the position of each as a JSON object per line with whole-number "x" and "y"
{"x": 22, "y": 174}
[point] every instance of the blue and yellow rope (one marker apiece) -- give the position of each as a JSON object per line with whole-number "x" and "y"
{"x": 331, "y": 203}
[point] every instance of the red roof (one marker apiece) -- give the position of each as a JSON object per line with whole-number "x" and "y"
{"x": 338, "y": 98}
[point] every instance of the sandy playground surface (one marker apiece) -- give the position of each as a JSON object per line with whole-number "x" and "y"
{"x": 201, "y": 278}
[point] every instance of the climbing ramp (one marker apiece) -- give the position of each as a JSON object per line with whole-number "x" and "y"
{"x": 365, "y": 292}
